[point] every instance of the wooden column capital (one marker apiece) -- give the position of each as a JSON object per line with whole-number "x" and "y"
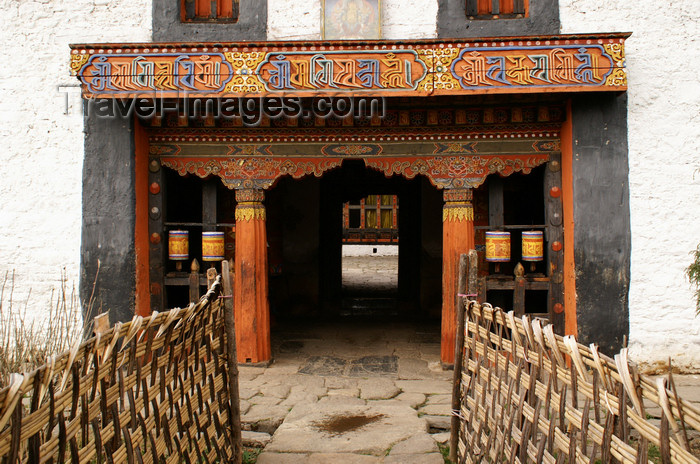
{"x": 250, "y": 195}
{"x": 458, "y": 195}
{"x": 458, "y": 205}
{"x": 249, "y": 205}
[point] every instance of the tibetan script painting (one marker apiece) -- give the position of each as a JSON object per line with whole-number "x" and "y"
{"x": 200, "y": 73}
{"x": 343, "y": 71}
{"x": 351, "y": 19}
{"x": 532, "y": 66}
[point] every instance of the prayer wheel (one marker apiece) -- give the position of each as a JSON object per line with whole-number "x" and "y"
{"x": 497, "y": 246}
{"x": 212, "y": 246}
{"x": 533, "y": 246}
{"x": 178, "y": 245}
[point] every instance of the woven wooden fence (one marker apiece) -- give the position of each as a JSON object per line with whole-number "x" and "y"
{"x": 154, "y": 390}
{"x": 528, "y": 395}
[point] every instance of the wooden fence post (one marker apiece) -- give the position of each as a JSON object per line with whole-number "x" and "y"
{"x": 234, "y": 397}
{"x": 459, "y": 352}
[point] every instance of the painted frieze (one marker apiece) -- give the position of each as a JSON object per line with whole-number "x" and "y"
{"x": 532, "y": 66}
{"x": 563, "y": 63}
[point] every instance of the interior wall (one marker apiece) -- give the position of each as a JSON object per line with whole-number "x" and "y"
{"x": 431, "y": 249}
{"x": 293, "y": 206}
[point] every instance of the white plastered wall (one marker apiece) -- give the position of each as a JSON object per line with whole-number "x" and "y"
{"x": 42, "y": 148}
{"x": 41, "y": 155}
{"x": 664, "y": 156}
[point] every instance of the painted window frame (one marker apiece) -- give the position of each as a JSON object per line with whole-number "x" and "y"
{"x": 496, "y": 9}
{"x": 209, "y": 11}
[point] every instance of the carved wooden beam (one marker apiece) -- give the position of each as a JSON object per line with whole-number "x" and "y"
{"x": 563, "y": 63}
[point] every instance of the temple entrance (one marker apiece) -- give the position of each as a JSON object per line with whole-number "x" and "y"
{"x": 428, "y": 180}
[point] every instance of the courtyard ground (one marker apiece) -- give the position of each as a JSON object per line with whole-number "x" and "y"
{"x": 359, "y": 390}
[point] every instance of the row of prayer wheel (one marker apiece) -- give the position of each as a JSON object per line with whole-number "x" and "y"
{"x": 498, "y": 246}
{"x": 179, "y": 245}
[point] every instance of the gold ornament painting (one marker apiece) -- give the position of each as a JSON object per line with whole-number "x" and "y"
{"x": 351, "y": 19}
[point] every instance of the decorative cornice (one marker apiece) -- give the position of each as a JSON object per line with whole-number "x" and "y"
{"x": 359, "y": 135}
{"x": 457, "y": 171}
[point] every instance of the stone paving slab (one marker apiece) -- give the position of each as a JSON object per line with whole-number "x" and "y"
{"x": 413, "y": 399}
{"x": 343, "y": 458}
{"x": 438, "y": 422}
{"x": 327, "y": 428}
{"x": 377, "y": 389}
{"x": 436, "y": 409}
{"x": 432, "y": 458}
{"x": 255, "y": 439}
{"x": 267, "y": 457}
{"x": 417, "y": 444}
{"x": 425, "y": 386}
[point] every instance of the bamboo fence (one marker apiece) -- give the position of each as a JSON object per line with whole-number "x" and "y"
{"x": 153, "y": 390}
{"x": 528, "y": 395}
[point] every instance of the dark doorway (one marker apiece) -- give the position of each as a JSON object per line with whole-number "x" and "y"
{"x": 370, "y": 256}
{"x": 351, "y": 183}
{"x": 305, "y": 248}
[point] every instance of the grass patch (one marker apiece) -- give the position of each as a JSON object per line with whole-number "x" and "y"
{"x": 654, "y": 454}
{"x": 250, "y": 455}
{"x": 445, "y": 451}
{"x": 27, "y": 344}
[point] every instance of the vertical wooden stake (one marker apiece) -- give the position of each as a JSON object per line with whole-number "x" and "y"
{"x": 100, "y": 323}
{"x": 234, "y": 397}
{"x": 194, "y": 281}
{"x": 211, "y": 277}
{"x": 473, "y": 276}
{"x": 459, "y": 353}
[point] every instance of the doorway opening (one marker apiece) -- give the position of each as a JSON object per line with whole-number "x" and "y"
{"x": 361, "y": 210}
{"x": 370, "y": 255}
{"x": 319, "y": 317}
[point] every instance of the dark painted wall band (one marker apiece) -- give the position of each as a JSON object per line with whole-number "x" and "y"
{"x": 602, "y": 238}
{"x": 108, "y": 219}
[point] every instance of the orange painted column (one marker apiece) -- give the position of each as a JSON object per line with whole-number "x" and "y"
{"x": 250, "y": 300}
{"x": 457, "y": 238}
{"x": 567, "y": 197}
